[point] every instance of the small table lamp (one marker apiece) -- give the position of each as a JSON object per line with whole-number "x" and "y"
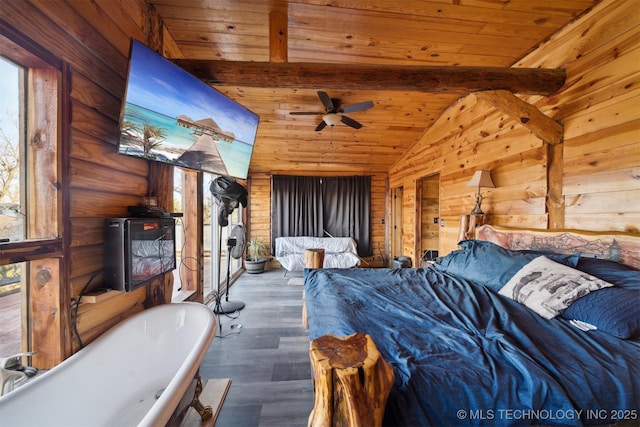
{"x": 480, "y": 179}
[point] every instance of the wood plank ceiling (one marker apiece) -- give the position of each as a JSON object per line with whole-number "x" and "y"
{"x": 465, "y": 33}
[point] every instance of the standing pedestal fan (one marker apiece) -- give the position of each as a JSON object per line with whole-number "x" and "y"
{"x": 235, "y": 248}
{"x": 229, "y": 194}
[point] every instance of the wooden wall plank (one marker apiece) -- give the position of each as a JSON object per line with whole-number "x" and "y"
{"x": 128, "y": 16}
{"x": 94, "y": 123}
{"x": 618, "y": 201}
{"x": 627, "y": 179}
{"x": 66, "y": 16}
{"x": 97, "y": 178}
{"x": 87, "y": 231}
{"x": 39, "y": 27}
{"x": 593, "y": 221}
{"x": 89, "y": 148}
{"x": 88, "y": 93}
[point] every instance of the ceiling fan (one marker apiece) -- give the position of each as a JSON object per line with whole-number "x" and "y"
{"x": 333, "y": 113}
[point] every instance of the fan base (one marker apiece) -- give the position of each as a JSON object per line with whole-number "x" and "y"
{"x": 226, "y": 307}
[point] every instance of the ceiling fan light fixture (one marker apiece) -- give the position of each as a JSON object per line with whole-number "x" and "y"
{"x": 333, "y": 112}
{"x": 331, "y": 119}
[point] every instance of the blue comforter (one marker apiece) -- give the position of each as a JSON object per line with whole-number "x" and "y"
{"x": 464, "y": 355}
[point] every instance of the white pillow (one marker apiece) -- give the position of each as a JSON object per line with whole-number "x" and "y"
{"x": 548, "y": 287}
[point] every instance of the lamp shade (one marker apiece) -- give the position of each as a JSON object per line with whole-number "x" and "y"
{"x": 481, "y": 178}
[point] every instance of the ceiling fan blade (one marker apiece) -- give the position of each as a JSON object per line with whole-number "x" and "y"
{"x": 350, "y": 122}
{"x": 360, "y": 106}
{"x": 321, "y": 126}
{"x": 326, "y": 100}
{"x": 306, "y": 113}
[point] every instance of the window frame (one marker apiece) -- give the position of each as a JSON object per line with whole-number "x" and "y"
{"x": 46, "y": 312}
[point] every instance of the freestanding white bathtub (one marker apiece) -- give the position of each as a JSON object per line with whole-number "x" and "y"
{"x": 135, "y": 374}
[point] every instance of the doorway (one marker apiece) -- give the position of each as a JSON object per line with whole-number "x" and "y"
{"x": 396, "y": 222}
{"x": 428, "y": 232}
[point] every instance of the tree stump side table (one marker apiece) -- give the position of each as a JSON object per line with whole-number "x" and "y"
{"x": 314, "y": 258}
{"x": 352, "y": 382}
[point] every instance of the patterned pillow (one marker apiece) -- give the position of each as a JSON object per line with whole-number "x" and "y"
{"x": 548, "y": 287}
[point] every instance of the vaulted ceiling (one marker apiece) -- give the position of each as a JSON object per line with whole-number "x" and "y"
{"x": 273, "y": 56}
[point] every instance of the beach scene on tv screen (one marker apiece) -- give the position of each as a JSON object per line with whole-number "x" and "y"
{"x": 171, "y": 116}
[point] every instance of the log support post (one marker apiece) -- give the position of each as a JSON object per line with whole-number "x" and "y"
{"x": 352, "y": 382}
{"x": 555, "y": 199}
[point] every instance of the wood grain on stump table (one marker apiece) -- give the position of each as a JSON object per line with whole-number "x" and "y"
{"x": 352, "y": 381}
{"x": 314, "y": 258}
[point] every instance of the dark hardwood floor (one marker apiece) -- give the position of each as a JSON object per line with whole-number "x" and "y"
{"x": 264, "y": 350}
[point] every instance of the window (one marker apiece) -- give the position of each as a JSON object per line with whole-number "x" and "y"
{"x": 12, "y": 180}
{"x": 30, "y": 246}
{"x": 12, "y": 225}
{"x": 214, "y": 259}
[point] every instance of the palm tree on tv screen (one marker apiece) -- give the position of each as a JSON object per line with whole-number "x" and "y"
{"x": 145, "y": 135}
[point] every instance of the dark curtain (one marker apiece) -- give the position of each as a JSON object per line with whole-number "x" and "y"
{"x": 296, "y": 207}
{"x": 314, "y": 206}
{"x": 346, "y": 204}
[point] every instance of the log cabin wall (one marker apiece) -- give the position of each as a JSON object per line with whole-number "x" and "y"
{"x": 594, "y": 171}
{"x": 92, "y": 39}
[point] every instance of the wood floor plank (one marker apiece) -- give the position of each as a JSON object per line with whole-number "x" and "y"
{"x": 264, "y": 350}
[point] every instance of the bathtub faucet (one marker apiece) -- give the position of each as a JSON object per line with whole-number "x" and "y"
{"x": 12, "y": 372}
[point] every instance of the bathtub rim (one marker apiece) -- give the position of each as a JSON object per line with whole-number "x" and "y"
{"x": 162, "y": 409}
{"x": 166, "y": 404}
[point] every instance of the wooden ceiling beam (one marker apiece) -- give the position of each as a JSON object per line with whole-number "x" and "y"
{"x": 278, "y": 35}
{"x": 544, "y": 127}
{"x": 442, "y": 79}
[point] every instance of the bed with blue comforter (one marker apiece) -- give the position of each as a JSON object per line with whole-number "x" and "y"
{"x": 465, "y": 354}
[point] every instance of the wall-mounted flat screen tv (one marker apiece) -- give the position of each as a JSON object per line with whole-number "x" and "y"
{"x": 170, "y": 116}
